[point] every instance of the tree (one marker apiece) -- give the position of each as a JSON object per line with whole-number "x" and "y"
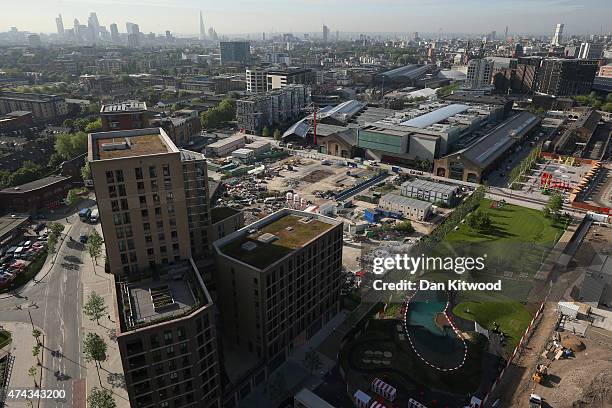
{"x": 52, "y": 244}
{"x": 86, "y": 172}
{"x": 70, "y": 145}
{"x": 312, "y": 361}
{"x": 94, "y": 348}
{"x": 32, "y": 371}
{"x": 94, "y": 308}
{"x": 72, "y": 197}
{"x": 101, "y": 398}
{"x": 554, "y": 206}
{"x": 36, "y": 334}
{"x": 265, "y": 132}
{"x": 94, "y": 246}
{"x": 55, "y": 229}
{"x": 36, "y": 352}
{"x": 69, "y": 123}
{"x": 278, "y": 135}
{"x": 404, "y": 226}
{"x": 93, "y": 126}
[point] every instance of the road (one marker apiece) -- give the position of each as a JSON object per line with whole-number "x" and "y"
{"x": 55, "y": 303}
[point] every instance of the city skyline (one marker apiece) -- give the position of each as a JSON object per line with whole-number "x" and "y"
{"x": 523, "y": 17}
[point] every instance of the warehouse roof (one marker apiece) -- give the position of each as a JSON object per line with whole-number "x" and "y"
{"x": 405, "y": 201}
{"x": 436, "y": 116}
{"x": 427, "y": 185}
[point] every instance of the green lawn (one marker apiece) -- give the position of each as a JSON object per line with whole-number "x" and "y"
{"x": 511, "y": 316}
{"x": 510, "y": 224}
{"x": 517, "y": 240}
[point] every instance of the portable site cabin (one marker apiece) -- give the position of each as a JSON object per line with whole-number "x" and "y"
{"x": 376, "y": 404}
{"x": 569, "y": 309}
{"x": 362, "y": 400}
{"x": 384, "y": 390}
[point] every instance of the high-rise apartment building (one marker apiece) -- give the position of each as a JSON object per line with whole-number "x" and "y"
{"x": 167, "y": 339}
{"x": 278, "y": 282}
{"x": 272, "y": 108}
{"x": 479, "y": 74}
{"x": 235, "y": 52}
{"x": 557, "y": 38}
{"x": 566, "y": 77}
{"x": 266, "y": 79}
{"x": 325, "y": 33}
{"x": 152, "y": 197}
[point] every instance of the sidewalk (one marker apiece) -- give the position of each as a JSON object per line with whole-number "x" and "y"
{"x": 21, "y": 360}
{"x": 111, "y": 371}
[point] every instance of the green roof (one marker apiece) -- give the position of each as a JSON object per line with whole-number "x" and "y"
{"x": 291, "y": 233}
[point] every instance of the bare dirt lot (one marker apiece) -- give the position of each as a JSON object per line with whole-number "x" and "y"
{"x": 582, "y": 381}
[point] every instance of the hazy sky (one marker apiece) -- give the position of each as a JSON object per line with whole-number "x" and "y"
{"x": 254, "y": 16}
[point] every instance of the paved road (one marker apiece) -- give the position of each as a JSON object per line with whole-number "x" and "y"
{"x": 55, "y": 304}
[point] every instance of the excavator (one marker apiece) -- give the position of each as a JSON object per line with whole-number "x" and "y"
{"x": 540, "y": 373}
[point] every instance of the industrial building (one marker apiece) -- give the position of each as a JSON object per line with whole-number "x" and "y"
{"x": 44, "y": 108}
{"x": 431, "y": 191}
{"x": 272, "y": 108}
{"x": 39, "y": 195}
{"x": 411, "y": 208}
{"x": 259, "y": 147}
{"x": 223, "y": 147}
{"x": 425, "y": 133}
{"x": 475, "y": 161}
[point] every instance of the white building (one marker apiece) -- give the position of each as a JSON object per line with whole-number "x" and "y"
{"x": 558, "y": 36}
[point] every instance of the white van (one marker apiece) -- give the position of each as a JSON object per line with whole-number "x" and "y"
{"x": 95, "y": 215}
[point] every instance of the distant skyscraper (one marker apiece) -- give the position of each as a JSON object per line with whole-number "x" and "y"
{"x": 133, "y": 32}
{"x": 60, "y": 25}
{"x": 590, "y": 50}
{"x": 94, "y": 27}
{"x": 114, "y": 32}
{"x": 558, "y": 36}
{"x": 325, "y": 33}
{"x": 506, "y": 34}
{"x": 202, "y": 30}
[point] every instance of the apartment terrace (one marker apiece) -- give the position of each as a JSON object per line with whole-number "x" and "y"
{"x": 169, "y": 293}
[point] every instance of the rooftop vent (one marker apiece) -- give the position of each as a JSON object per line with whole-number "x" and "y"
{"x": 306, "y": 220}
{"x": 122, "y": 145}
{"x": 249, "y": 246}
{"x": 267, "y": 238}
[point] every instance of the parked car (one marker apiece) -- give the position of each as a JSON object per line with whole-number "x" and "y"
{"x": 83, "y": 238}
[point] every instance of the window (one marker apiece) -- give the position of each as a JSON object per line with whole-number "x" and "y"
{"x": 166, "y": 170}
{"x": 156, "y": 198}
{"x": 161, "y": 237}
{"x": 168, "y": 336}
{"x": 119, "y": 176}
{"x": 154, "y": 340}
{"x": 160, "y": 224}
{"x": 115, "y": 205}
{"x": 143, "y": 200}
{"x": 169, "y": 196}
{"x": 158, "y": 212}
{"x": 154, "y": 185}
{"x": 150, "y": 252}
{"x": 117, "y": 219}
{"x": 163, "y": 249}
{"x": 144, "y": 213}
{"x": 112, "y": 191}
{"x": 110, "y": 178}
{"x": 121, "y": 190}
{"x": 124, "y": 204}
{"x": 138, "y": 173}
{"x": 152, "y": 172}
{"x": 146, "y": 226}
{"x": 121, "y": 246}
{"x": 140, "y": 186}
{"x": 128, "y": 232}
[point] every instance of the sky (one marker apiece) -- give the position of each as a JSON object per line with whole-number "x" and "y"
{"x": 283, "y": 16}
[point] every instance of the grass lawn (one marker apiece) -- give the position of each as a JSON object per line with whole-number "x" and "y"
{"x": 510, "y": 224}
{"x": 511, "y": 316}
{"x": 517, "y": 240}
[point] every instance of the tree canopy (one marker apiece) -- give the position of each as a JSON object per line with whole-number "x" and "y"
{"x": 70, "y": 145}
{"x": 215, "y": 117}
